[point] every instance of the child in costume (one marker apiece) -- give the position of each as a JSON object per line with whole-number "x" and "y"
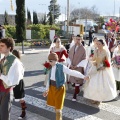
{"x": 18, "y": 90}
{"x": 55, "y": 88}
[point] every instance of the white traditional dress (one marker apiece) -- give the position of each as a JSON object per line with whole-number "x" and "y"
{"x": 101, "y": 86}
{"x": 116, "y": 70}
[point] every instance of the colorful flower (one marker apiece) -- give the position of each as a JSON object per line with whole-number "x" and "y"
{"x": 106, "y": 63}
{"x": 47, "y": 67}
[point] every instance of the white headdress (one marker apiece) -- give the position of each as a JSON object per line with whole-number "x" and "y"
{"x": 107, "y": 50}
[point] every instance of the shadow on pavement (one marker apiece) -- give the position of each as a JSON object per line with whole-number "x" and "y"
{"x": 33, "y": 73}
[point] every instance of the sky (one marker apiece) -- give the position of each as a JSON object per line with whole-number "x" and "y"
{"x": 104, "y": 7}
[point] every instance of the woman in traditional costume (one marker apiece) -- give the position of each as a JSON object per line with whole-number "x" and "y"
{"x": 59, "y": 49}
{"x": 101, "y": 85}
{"x": 116, "y": 66}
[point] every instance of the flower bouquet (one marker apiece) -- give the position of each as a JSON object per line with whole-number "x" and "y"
{"x": 47, "y": 67}
{"x": 92, "y": 53}
{"x": 104, "y": 64}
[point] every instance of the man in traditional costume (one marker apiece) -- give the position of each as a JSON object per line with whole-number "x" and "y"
{"x": 77, "y": 61}
{"x": 11, "y": 73}
{"x": 55, "y": 87}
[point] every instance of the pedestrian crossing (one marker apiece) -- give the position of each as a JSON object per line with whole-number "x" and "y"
{"x": 82, "y": 109}
{"x": 80, "y": 99}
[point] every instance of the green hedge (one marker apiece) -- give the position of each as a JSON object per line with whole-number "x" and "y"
{"x": 10, "y": 31}
{"x": 39, "y": 31}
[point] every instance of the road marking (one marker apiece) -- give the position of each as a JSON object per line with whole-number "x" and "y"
{"x": 103, "y": 106}
{"x": 67, "y": 112}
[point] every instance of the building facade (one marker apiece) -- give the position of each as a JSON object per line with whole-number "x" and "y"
{"x": 11, "y": 19}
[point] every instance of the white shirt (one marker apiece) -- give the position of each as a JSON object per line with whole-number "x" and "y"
{"x": 65, "y": 70}
{"x": 15, "y": 73}
{"x": 72, "y": 44}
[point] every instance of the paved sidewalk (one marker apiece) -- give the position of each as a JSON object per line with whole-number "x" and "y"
{"x": 16, "y": 111}
{"x": 34, "y": 50}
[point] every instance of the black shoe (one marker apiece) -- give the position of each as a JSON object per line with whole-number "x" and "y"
{"x": 73, "y": 85}
{"x": 23, "y": 114}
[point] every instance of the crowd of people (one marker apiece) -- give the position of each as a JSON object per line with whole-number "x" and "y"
{"x": 96, "y": 69}
{"x": 98, "y": 65}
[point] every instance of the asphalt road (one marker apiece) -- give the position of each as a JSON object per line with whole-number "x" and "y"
{"x": 80, "y": 110}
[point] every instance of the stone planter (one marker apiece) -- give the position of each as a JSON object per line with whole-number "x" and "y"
{"x": 28, "y": 34}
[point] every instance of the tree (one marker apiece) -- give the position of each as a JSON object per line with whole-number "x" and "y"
{"x": 101, "y": 21}
{"x": 35, "y": 18}
{"x": 28, "y": 17}
{"x": 20, "y": 20}
{"x": 54, "y": 9}
{"x": 6, "y": 21}
{"x": 89, "y": 13}
{"x": 44, "y": 20}
{"x": 50, "y": 19}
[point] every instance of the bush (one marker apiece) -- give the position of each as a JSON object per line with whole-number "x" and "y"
{"x": 10, "y": 31}
{"x": 39, "y": 31}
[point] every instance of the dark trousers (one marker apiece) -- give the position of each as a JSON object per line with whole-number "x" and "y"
{"x": 5, "y": 105}
{"x": 111, "y": 54}
{"x": 90, "y": 41}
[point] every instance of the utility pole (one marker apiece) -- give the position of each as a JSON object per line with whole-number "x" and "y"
{"x": 68, "y": 17}
{"x": 65, "y": 14}
{"x": 53, "y": 12}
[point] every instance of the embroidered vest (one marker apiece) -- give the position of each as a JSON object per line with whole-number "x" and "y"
{"x": 6, "y": 66}
{"x": 59, "y": 75}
